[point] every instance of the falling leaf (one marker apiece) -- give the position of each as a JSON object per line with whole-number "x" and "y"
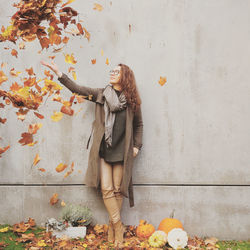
{"x": 41, "y": 169}
{"x": 79, "y": 26}
{"x": 80, "y": 99}
{"x": 67, "y": 110}
{"x": 44, "y": 42}
{"x": 102, "y": 52}
{"x": 52, "y": 57}
{"x": 30, "y": 71}
{"x": 14, "y": 73}
{"x": 70, "y": 1}
{"x": 87, "y": 34}
{"x": 15, "y": 87}
{"x": 39, "y": 115}
{"x": 70, "y": 170}
{"x": 14, "y": 53}
{"x": 21, "y": 114}
{"x": 162, "y": 81}
{"x": 26, "y": 139}
{"x": 34, "y": 127}
{"x": 57, "y": 116}
{"x": 98, "y": 7}
{"x": 54, "y": 199}
{"x": 36, "y": 159}
{"x": 3, "y": 64}
{"x": 65, "y": 39}
{"x": 70, "y": 69}
{"x": 3, "y": 120}
{"x": 3, "y": 77}
{"x": 70, "y": 59}
{"x": 74, "y": 75}
{"x": 93, "y": 61}
{"x": 107, "y": 61}
{"x": 2, "y": 150}
{"x": 61, "y": 167}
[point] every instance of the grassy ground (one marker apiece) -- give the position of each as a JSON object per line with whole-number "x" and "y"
{"x": 9, "y": 238}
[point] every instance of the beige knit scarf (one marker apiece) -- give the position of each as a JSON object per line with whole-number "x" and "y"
{"x": 112, "y": 104}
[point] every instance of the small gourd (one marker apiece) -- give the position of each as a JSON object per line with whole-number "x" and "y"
{"x": 158, "y": 239}
{"x": 144, "y": 230}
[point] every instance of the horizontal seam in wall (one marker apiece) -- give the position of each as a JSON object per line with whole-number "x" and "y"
{"x": 138, "y": 185}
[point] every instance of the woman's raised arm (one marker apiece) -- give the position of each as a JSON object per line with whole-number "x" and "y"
{"x": 89, "y": 93}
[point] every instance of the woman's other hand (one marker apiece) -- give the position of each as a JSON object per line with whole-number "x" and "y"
{"x": 53, "y": 67}
{"x": 135, "y": 151}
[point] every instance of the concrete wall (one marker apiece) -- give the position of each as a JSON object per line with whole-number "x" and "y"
{"x": 195, "y": 156}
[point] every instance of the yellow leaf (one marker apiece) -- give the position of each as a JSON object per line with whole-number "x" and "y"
{"x": 70, "y": 1}
{"x": 70, "y": 58}
{"x": 41, "y": 243}
{"x": 24, "y": 92}
{"x": 57, "y": 116}
{"x": 3, "y": 77}
{"x": 61, "y": 167}
{"x": 3, "y": 230}
{"x": 107, "y": 61}
{"x": 102, "y": 52}
{"x": 162, "y": 80}
{"x": 63, "y": 204}
{"x": 98, "y": 7}
{"x": 52, "y": 85}
{"x": 36, "y": 160}
{"x": 7, "y": 31}
{"x": 74, "y": 75}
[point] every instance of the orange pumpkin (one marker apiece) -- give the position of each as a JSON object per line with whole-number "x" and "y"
{"x": 144, "y": 230}
{"x": 167, "y": 224}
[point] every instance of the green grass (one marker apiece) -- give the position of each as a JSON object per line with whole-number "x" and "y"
{"x": 13, "y": 245}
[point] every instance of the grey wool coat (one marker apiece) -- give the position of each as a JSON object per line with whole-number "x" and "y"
{"x": 133, "y": 137}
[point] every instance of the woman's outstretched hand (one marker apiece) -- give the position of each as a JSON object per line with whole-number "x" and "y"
{"x": 53, "y": 67}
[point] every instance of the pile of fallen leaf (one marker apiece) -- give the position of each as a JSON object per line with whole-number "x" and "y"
{"x": 96, "y": 238}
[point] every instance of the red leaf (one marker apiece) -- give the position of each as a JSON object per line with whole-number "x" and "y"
{"x": 39, "y": 115}
{"x": 67, "y": 110}
{"x": 27, "y": 138}
{"x": 14, "y": 53}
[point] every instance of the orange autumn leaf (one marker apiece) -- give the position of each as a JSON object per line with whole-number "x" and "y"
{"x": 70, "y": 1}
{"x": 3, "y": 120}
{"x": 3, "y": 64}
{"x": 54, "y": 199}
{"x": 162, "y": 80}
{"x": 14, "y": 53}
{"x": 70, "y": 69}
{"x": 52, "y": 57}
{"x": 3, "y": 77}
{"x": 98, "y": 7}
{"x": 30, "y": 71}
{"x": 70, "y": 170}
{"x": 39, "y": 115}
{"x": 14, "y": 73}
{"x": 57, "y": 116}
{"x": 61, "y": 167}
{"x": 87, "y": 34}
{"x": 67, "y": 110}
{"x": 2, "y": 150}
{"x": 93, "y": 61}
{"x": 27, "y": 138}
{"x": 79, "y": 26}
{"x": 34, "y": 127}
{"x": 70, "y": 58}
{"x": 21, "y": 114}
{"x": 63, "y": 204}
{"x": 72, "y": 98}
{"x": 15, "y": 87}
{"x": 107, "y": 61}
{"x": 42, "y": 169}
{"x": 36, "y": 159}
{"x": 65, "y": 39}
{"x": 45, "y": 42}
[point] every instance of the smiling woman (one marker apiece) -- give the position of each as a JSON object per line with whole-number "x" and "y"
{"x": 117, "y": 139}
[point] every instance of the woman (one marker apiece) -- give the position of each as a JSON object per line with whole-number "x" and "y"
{"x": 117, "y": 138}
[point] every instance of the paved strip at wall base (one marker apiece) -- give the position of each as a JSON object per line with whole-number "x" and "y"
{"x": 219, "y": 211}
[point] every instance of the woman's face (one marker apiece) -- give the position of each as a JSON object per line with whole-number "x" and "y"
{"x": 115, "y": 75}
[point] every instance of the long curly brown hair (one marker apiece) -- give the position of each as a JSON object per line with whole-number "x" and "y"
{"x": 128, "y": 84}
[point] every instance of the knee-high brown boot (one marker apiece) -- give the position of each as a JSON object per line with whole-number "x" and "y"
{"x": 111, "y": 233}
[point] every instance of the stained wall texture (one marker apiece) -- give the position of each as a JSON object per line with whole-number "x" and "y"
{"x": 195, "y": 155}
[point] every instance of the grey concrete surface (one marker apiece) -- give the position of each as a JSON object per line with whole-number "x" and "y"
{"x": 222, "y": 212}
{"x": 196, "y": 126}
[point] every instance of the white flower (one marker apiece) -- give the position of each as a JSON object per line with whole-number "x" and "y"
{"x": 177, "y": 238}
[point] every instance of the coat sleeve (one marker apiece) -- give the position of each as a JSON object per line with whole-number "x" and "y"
{"x": 89, "y": 93}
{"x": 138, "y": 129}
